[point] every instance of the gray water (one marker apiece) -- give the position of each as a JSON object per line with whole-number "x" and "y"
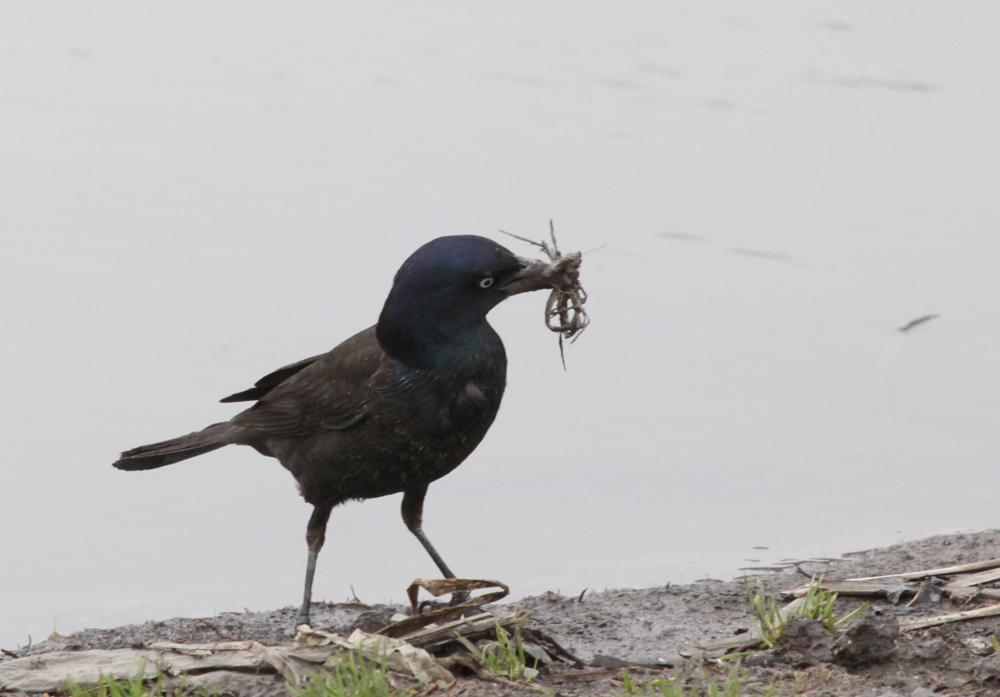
{"x": 194, "y": 194}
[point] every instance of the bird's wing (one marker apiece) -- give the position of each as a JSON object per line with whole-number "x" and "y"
{"x": 271, "y": 380}
{"x": 332, "y": 393}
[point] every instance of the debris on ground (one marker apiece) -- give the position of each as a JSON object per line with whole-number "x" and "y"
{"x": 930, "y": 627}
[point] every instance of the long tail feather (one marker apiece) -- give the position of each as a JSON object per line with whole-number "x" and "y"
{"x": 147, "y": 457}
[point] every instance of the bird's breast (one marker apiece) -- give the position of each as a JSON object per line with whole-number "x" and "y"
{"x": 471, "y": 399}
{"x": 469, "y": 405}
{"x": 422, "y": 427}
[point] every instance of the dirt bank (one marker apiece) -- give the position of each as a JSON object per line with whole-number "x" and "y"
{"x": 659, "y": 630}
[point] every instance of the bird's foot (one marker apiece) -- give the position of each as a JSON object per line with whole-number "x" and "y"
{"x": 301, "y": 619}
{"x": 430, "y": 606}
{"x": 458, "y": 598}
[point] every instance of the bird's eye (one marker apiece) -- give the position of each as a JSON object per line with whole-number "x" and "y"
{"x": 486, "y": 282}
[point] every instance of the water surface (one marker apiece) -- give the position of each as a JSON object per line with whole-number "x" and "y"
{"x": 195, "y": 194}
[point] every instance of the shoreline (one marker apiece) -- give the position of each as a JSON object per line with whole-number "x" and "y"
{"x": 662, "y": 628}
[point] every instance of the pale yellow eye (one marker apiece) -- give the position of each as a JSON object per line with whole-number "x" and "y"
{"x": 486, "y": 282}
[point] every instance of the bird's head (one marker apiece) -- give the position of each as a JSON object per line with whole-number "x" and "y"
{"x": 444, "y": 291}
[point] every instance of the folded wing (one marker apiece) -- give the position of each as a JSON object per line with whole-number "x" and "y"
{"x": 331, "y": 392}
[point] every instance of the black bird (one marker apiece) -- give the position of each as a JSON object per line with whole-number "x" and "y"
{"x": 391, "y": 409}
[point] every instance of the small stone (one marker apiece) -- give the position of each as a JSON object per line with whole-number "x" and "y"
{"x": 932, "y": 650}
{"x": 535, "y": 653}
{"x": 929, "y": 593}
{"x": 609, "y": 662}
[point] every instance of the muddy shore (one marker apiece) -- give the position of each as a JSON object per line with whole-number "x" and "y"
{"x": 659, "y": 630}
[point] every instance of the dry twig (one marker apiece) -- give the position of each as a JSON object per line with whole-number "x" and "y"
{"x": 913, "y": 323}
{"x": 216, "y": 630}
{"x": 943, "y": 571}
{"x": 987, "y": 611}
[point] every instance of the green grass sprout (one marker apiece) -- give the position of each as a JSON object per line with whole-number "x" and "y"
{"x": 817, "y": 604}
{"x": 505, "y": 656}
{"x": 354, "y": 676}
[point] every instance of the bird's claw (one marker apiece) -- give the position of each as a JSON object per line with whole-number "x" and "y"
{"x": 456, "y": 599}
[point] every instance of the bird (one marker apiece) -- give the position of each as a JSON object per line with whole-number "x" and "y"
{"x": 391, "y": 409}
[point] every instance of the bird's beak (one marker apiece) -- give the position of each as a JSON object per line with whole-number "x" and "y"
{"x": 531, "y": 276}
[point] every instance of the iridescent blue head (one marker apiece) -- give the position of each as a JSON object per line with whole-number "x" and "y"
{"x": 436, "y": 310}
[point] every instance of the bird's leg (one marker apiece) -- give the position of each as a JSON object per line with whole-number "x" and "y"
{"x": 315, "y": 537}
{"x": 413, "y": 516}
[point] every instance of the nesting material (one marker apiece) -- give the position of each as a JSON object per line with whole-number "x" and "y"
{"x": 564, "y": 313}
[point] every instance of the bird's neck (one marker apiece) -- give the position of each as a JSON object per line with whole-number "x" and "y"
{"x": 422, "y": 343}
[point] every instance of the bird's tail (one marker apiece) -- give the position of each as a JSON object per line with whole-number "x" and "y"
{"x": 147, "y": 457}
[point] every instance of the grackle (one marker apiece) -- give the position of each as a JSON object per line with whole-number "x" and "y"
{"x": 391, "y": 409}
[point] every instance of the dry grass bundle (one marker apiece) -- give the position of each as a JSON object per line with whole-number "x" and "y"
{"x": 564, "y": 313}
